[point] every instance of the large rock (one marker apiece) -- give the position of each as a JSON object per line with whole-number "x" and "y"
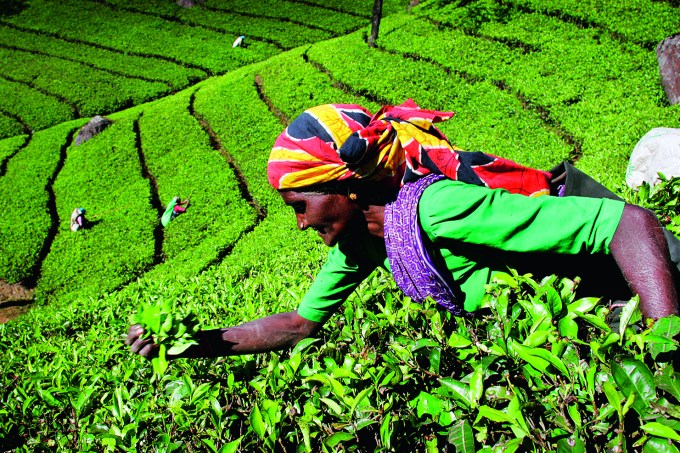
{"x": 668, "y": 55}
{"x": 188, "y": 3}
{"x": 94, "y": 127}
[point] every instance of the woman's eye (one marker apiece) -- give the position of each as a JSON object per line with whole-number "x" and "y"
{"x": 298, "y": 207}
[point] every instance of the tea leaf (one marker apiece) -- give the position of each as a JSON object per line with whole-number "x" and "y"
{"x": 460, "y": 435}
{"x": 659, "y": 430}
{"x": 634, "y": 378}
{"x": 669, "y": 380}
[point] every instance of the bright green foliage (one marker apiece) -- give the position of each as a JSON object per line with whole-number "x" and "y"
{"x": 124, "y": 65}
{"x": 35, "y": 109}
{"x": 10, "y": 146}
{"x": 179, "y": 154}
{"x": 133, "y": 32}
{"x": 663, "y": 198}
{"x": 640, "y": 21}
{"x": 333, "y": 21}
{"x": 362, "y": 8}
{"x": 9, "y": 127}
{"x": 533, "y": 80}
{"x": 172, "y": 331}
{"x": 63, "y": 79}
{"x": 102, "y": 175}
{"x": 25, "y": 227}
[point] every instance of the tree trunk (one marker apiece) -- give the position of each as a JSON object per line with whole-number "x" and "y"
{"x": 375, "y": 22}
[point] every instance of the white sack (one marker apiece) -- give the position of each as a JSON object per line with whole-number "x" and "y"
{"x": 658, "y": 151}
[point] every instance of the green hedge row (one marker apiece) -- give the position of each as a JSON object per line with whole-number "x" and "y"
{"x": 332, "y": 21}
{"x": 125, "y": 48}
{"x": 25, "y": 227}
{"x": 585, "y": 87}
{"x": 123, "y": 65}
{"x": 589, "y": 86}
{"x": 230, "y": 23}
{"x": 10, "y": 146}
{"x": 487, "y": 118}
{"x": 637, "y": 20}
{"x": 102, "y": 175}
{"x": 293, "y": 85}
{"x": 141, "y": 34}
{"x": 9, "y": 127}
{"x": 92, "y": 92}
{"x": 36, "y": 110}
{"x": 179, "y": 154}
{"x": 362, "y": 7}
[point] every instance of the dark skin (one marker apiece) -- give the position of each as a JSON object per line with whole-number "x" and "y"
{"x": 638, "y": 247}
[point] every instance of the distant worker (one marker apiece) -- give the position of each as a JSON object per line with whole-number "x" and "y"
{"x": 238, "y": 41}
{"x": 78, "y": 221}
{"x": 174, "y": 208}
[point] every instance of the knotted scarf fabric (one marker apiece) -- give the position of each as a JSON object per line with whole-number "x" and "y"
{"x": 399, "y": 144}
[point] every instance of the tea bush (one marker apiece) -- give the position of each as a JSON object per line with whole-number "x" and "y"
{"x": 10, "y": 146}
{"x": 645, "y": 22}
{"x": 63, "y": 79}
{"x": 179, "y": 155}
{"x": 539, "y": 370}
{"x": 124, "y": 65}
{"x": 103, "y": 176}
{"x": 23, "y": 188}
{"x": 34, "y": 109}
{"x": 10, "y": 127}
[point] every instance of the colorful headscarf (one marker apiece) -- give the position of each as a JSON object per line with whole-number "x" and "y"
{"x": 399, "y": 144}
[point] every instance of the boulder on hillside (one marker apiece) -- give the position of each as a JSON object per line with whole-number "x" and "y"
{"x": 188, "y": 3}
{"x": 92, "y": 128}
{"x": 668, "y": 56}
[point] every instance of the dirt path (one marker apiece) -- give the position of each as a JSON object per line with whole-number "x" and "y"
{"x": 15, "y": 300}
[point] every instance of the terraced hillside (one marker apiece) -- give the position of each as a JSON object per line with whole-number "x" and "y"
{"x": 537, "y": 81}
{"x": 76, "y": 59}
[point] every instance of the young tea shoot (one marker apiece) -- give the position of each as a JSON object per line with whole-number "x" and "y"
{"x": 172, "y": 330}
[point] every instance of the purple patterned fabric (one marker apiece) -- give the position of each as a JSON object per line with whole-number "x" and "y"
{"x": 411, "y": 264}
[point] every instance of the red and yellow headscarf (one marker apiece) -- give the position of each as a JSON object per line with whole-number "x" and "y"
{"x": 399, "y": 144}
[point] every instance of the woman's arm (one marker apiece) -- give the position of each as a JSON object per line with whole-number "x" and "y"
{"x": 272, "y": 333}
{"x": 641, "y": 252}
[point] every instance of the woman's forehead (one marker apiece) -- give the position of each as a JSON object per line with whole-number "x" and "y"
{"x": 295, "y": 196}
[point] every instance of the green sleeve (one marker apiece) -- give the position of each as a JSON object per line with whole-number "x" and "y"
{"x": 348, "y": 264}
{"x": 451, "y": 212}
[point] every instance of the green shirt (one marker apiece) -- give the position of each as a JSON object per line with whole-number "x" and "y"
{"x": 468, "y": 225}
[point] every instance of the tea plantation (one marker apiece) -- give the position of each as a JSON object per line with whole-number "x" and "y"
{"x": 536, "y": 81}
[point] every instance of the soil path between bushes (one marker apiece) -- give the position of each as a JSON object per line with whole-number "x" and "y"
{"x": 15, "y": 300}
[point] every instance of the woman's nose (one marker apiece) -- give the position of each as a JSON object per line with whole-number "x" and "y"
{"x": 301, "y": 222}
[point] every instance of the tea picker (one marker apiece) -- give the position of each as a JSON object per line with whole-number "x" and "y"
{"x": 176, "y": 207}
{"x": 389, "y": 190}
{"x": 78, "y": 221}
{"x": 238, "y": 42}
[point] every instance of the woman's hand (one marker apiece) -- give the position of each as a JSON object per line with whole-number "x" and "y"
{"x": 142, "y": 346}
{"x": 272, "y": 333}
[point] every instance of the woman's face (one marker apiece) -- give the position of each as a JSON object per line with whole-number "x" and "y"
{"x": 333, "y": 216}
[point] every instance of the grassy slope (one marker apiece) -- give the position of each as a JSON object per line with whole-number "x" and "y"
{"x": 516, "y": 93}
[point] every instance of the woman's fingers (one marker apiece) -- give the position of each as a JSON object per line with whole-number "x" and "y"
{"x": 142, "y": 346}
{"x": 134, "y": 332}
